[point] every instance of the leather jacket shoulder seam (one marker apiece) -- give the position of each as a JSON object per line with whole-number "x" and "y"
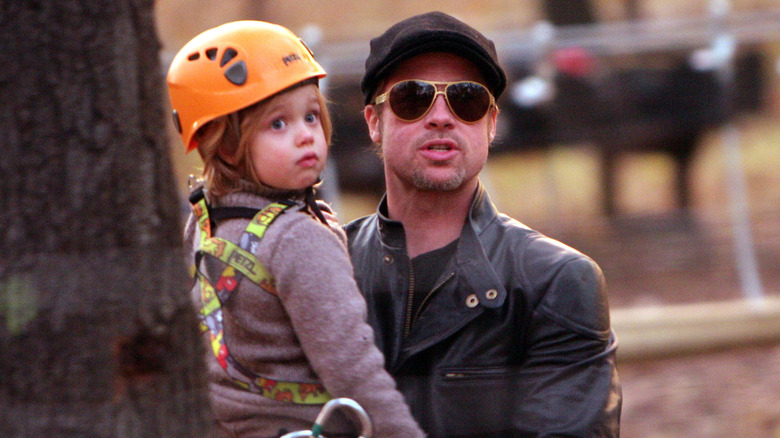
{"x": 563, "y": 320}
{"x": 571, "y": 325}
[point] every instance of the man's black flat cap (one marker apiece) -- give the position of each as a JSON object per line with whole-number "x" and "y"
{"x": 431, "y": 32}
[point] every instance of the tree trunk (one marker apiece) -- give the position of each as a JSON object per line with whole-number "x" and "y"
{"x": 97, "y": 333}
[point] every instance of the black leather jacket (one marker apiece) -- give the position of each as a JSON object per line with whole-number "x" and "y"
{"x": 515, "y": 340}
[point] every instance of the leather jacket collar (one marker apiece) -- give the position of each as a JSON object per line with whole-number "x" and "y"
{"x": 481, "y": 214}
{"x": 470, "y": 255}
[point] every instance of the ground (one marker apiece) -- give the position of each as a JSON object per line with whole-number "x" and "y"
{"x": 728, "y": 394}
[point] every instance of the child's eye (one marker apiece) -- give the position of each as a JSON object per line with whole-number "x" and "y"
{"x": 311, "y": 117}
{"x": 278, "y": 124}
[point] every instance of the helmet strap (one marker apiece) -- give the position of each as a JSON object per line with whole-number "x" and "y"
{"x": 311, "y": 202}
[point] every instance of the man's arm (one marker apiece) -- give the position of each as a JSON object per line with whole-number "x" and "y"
{"x": 571, "y": 386}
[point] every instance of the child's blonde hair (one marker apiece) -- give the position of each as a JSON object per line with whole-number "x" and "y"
{"x": 225, "y": 156}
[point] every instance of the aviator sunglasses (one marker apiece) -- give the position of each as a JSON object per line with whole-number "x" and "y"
{"x": 411, "y": 100}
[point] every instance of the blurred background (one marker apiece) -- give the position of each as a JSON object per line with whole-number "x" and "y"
{"x": 645, "y": 133}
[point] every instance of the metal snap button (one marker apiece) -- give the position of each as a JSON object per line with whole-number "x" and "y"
{"x": 388, "y": 259}
{"x": 491, "y": 294}
{"x": 472, "y": 301}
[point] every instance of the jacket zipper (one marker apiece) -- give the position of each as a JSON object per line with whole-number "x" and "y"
{"x": 430, "y": 294}
{"x": 481, "y": 373}
{"x": 409, "y": 301}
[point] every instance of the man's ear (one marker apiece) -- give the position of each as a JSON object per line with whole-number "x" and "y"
{"x": 371, "y": 114}
{"x": 492, "y": 125}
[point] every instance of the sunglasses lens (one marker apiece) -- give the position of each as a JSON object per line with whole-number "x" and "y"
{"x": 469, "y": 101}
{"x": 410, "y": 99}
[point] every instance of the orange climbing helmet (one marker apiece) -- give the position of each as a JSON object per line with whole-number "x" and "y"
{"x": 231, "y": 67}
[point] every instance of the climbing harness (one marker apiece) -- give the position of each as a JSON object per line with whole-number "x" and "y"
{"x": 241, "y": 263}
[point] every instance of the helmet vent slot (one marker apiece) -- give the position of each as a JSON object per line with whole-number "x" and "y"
{"x": 237, "y": 73}
{"x": 211, "y": 53}
{"x": 229, "y": 54}
{"x": 193, "y": 56}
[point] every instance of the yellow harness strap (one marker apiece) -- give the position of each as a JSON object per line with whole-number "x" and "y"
{"x": 241, "y": 263}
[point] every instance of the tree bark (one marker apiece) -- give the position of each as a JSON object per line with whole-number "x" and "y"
{"x": 97, "y": 333}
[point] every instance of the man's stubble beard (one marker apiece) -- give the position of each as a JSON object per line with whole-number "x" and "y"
{"x": 422, "y": 182}
{"x": 419, "y": 180}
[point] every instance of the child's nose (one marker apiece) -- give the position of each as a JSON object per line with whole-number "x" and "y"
{"x": 305, "y": 134}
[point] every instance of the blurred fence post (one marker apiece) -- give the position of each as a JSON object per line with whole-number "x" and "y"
{"x": 721, "y": 57}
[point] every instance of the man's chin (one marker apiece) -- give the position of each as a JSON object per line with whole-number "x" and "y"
{"x": 437, "y": 184}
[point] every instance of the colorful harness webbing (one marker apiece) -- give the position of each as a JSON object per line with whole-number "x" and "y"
{"x": 241, "y": 262}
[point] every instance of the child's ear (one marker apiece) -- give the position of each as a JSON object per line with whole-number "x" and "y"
{"x": 231, "y": 139}
{"x": 229, "y": 152}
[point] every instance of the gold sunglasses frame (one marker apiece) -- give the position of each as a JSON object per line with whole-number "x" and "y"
{"x": 385, "y": 97}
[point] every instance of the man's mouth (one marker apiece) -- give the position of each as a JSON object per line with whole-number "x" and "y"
{"x": 439, "y": 150}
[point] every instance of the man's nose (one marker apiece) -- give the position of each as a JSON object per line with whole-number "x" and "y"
{"x": 440, "y": 114}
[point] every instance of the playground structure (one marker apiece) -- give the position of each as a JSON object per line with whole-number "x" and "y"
{"x": 622, "y": 88}
{"x": 723, "y": 65}
{"x": 697, "y": 325}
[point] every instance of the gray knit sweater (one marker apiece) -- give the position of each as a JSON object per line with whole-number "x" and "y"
{"x": 314, "y": 331}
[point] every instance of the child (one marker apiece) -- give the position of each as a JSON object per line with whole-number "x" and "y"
{"x": 285, "y": 321}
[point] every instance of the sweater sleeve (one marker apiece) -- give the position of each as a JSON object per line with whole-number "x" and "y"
{"x": 315, "y": 283}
